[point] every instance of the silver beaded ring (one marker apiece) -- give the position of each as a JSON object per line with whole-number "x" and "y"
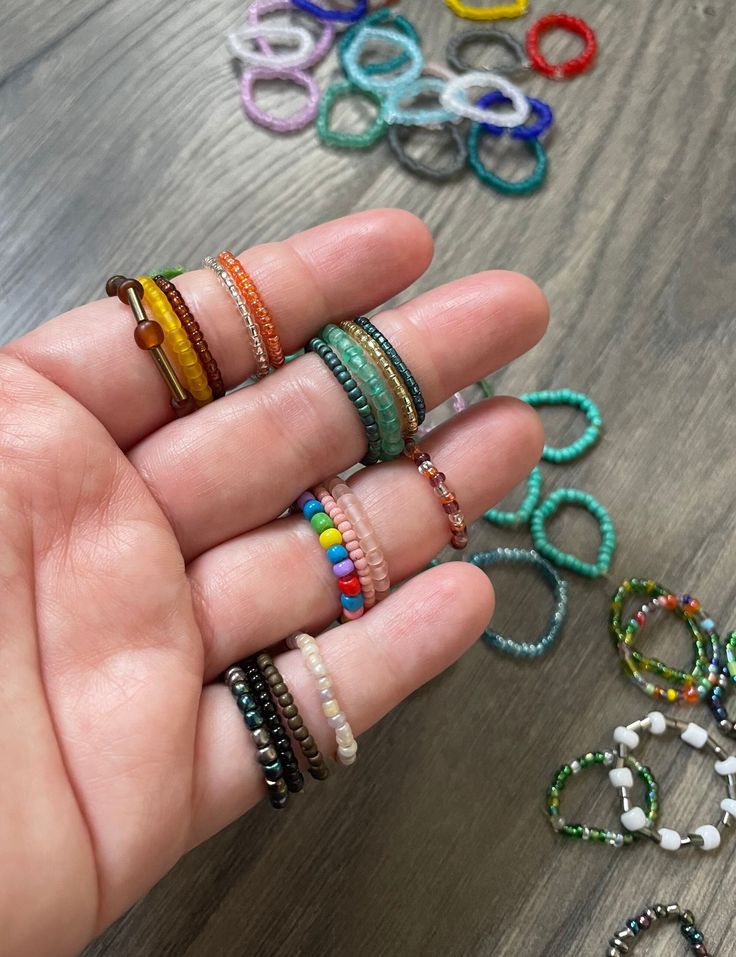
{"x": 259, "y": 349}
{"x": 708, "y": 836}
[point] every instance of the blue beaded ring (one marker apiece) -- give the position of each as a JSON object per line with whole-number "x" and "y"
{"x": 417, "y": 116}
{"x": 524, "y": 511}
{"x": 547, "y": 509}
{"x": 524, "y": 556}
{"x": 540, "y": 109}
{"x": 361, "y": 77}
{"x": 341, "y": 16}
{"x": 377, "y": 19}
{"x": 577, "y": 400}
{"x": 510, "y": 188}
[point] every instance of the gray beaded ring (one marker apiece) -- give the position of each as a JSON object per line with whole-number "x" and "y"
{"x": 398, "y": 133}
{"x": 460, "y": 40}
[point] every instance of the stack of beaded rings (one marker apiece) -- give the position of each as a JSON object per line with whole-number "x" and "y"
{"x": 437, "y": 479}
{"x": 707, "y": 837}
{"x": 583, "y": 832}
{"x": 623, "y": 940}
{"x": 347, "y": 746}
{"x": 343, "y": 567}
{"x": 232, "y": 287}
{"x": 706, "y": 681}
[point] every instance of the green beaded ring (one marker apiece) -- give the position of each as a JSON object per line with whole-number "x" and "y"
{"x": 582, "y": 831}
{"x": 524, "y": 511}
{"x": 377, "y": 391}
{"x": 578, "y": 400}
{"x": 509, "y": 187}
{"x": 354, "y": 141}
{"x": 555, "y": 555}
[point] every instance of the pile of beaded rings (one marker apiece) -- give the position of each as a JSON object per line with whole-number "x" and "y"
{"x": 437, "y": 479}
{"x": 333, "y": 543}
{"x": 583, "y": 832}
{"x": 707, "y": 837}
{"x": 347, "y": 746}
{"x": 623, "y": 940}
{"x": 705, "y": 681}
{"x": 519, "y": 557}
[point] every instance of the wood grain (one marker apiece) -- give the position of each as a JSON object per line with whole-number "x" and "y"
{"x": 124, "y": 146}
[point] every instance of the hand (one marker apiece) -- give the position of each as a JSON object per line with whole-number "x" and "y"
{"x": 142, "y": 556}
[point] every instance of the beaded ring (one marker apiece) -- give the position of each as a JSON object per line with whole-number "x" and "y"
{"x": 562, "y": 559}
{"x": 347, "y": 746}
{"x": 540, "y": 109}
{"x": 561, "y": 21}
{"x": 331, "y": 540}
{"x": 278, "y": 792}
{"x": 149, "y": 337}
{"x": 285, "y": 700}
{"x": 279, "y": 124}
{"x": 708, "y": 836}
{"x": 523, "y": 556}
{"x": 266, "y": 704}
{"x": 455, "y": 99}
{"x": 177, "y": 342}
{"x": 440, "y": 174}
{"x": 493, "y": 36}
{"x": 497, "y": 11}
{"x": 577, "y": 400}
{"x": 398, "y": 363}
{"x": 423, "y": 116}
{"x": 341, "y": 16}
{"x": 345, "y": 140}
{"x": 607, "y": 759}
{"x": 623, "y": 940}
{"x": 321, "y": 48}
{"x": 190, "y": 325}
{"x": 524, "y": 512}
{"x": 377, "y": 391}
{"x": 239, "y": 45}
{"x": 510, "y": 188}
{"x": 355, "y": 394}
{"x": 261, "y": 316}
{"x": 730, "y": 645}
{"x": 380, "y": 17}
{"x": 256, "y": 339}
{"x": 450, "y": 505}
{"x": 371, "y": 80}
{"x": 362, "y": 577}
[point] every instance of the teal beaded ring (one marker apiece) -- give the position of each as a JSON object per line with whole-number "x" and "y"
{"x": 382, "y": 17}
{"x": 510, "y": 188}
{"x": 523, "y": 556}
{"x": 524, "y": 512}
{"x": 582, "y": 832}
{"x": 355, "y": 141}
{"x": 562, "y": 559}
{"x": 371, "y": 81}
{"x": 577, "y": 400}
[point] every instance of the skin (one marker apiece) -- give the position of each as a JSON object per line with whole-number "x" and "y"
{"x": 141, "y": 556}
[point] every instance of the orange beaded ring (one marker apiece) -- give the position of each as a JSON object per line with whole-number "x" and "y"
{"x": 261, "y": 316}
{"x": 450, "y": 506}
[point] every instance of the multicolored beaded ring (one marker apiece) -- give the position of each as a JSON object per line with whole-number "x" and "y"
{"x": 623, "y": 940}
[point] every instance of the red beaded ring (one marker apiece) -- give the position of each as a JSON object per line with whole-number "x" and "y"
{"x": 562, "y": 21}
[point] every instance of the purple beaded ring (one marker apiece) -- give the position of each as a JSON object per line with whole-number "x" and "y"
{"x": 286, "y": 124}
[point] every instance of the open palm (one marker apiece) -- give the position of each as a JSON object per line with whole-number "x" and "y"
{"x": 140, "y": 557}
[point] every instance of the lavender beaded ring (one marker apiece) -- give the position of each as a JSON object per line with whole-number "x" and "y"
{"x": 288, "y": 124}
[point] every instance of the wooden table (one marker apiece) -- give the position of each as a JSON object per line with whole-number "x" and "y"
{"x": 124, "y": 148}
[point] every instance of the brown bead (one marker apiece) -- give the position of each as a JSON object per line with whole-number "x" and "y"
{"x": 295, "y": 723}
{"x": 148, "y": 334}
{"x": 184, "y": 406}
{"x": 316, "y": 761}
{"x": 321, "y": 773}
{"x": 308, "y": 743}
{"x": 272, "y": 676}
{"x": 286, "y": 698}
{"x": 263, "y": 661}
{"x": 300, "y": 733}
{"x": 112, "y": 285}
{"x": 127, "y": 284}
{"x": 279, "y": 688}
{"x": 290, "y": 711}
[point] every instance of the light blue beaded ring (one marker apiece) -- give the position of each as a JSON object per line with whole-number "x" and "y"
{"x": 372, "y": 82}
{"x": 397, "y": 112}
{"x": 577, "y": 400}
{"x": 525, "y": 556}
{"x": 381, "y": 17}
{"x": 573, "y": 496}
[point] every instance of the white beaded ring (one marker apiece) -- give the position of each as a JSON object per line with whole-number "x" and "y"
{"x": 239, "y": 44}
{"x": 455, "y": 99}
{"x": 708, "y": 836}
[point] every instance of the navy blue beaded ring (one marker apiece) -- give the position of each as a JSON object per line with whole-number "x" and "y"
{"x": 558, "y": 586}
{"x": 354, "y": 393}
{"x": 398, "y": 363}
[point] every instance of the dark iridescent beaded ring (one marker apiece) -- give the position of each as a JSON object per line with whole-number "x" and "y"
{"x": 623, "y": 940}
{"x": 398, "y": 363}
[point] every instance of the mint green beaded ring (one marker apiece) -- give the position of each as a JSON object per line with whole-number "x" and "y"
{"x": 577, "y": 400}
{"x": 375, "y": 388}
{"x": 356, "y": 141}
{"x": 523, "y": 513}
{"x": 573, "y": 496}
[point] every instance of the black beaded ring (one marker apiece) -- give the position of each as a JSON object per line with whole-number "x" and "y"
{"x": 354, "y": 393}
{"x": 401, "y": 367}
{"x": 459, "y": 40}
{"x": 261, "y": 693}
{"x": 396, "y": 135}
{"x": 273, "y": 771}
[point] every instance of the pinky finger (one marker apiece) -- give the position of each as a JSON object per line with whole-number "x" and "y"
{"x": 374, "y": 662}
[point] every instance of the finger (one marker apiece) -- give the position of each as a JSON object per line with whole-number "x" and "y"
{"x": 484, "y": 452}
{"x": 374, "y": 663}
{"x": 325, "y": 274}
{"x": 241, "y": 462}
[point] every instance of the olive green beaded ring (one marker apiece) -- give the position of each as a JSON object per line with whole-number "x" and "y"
{"x": 599, "y": 835}
{"x": 577, "y": 400}
{"x": 549, "y": 507}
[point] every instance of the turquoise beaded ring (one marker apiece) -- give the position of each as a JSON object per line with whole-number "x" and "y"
{"x": 577, "y": 400}
{"x": 549, "y": 507}
{"x": 362, "y": 140}
{"x": 524, "y": 512}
